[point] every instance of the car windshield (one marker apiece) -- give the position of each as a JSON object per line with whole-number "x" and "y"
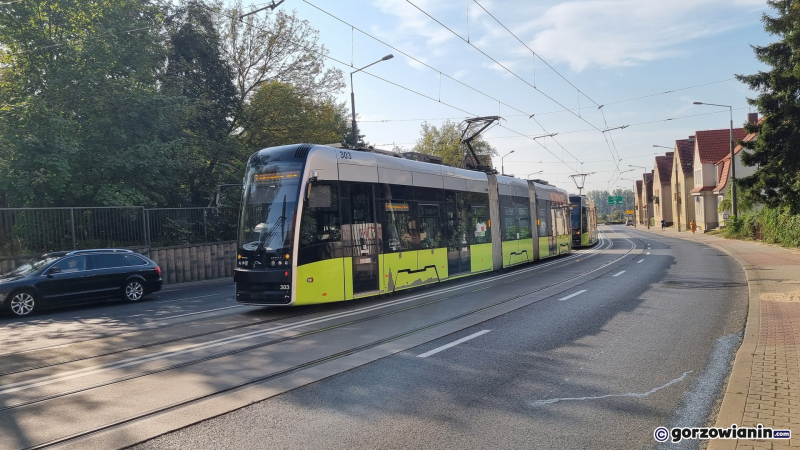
{"x": 270, "y": 198}
{"x": 30, "y": 266}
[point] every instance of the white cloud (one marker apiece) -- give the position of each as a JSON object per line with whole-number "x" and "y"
{"x": 621, "y": 33}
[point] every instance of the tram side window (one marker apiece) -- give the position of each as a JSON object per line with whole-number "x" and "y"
{"x": 560, "y": 221}
{"x": 360, "y": 233}
{"x": 399, "y": 225}
{"x": 478, "y": 215}
{"x": 456, "y": 216}
{"x": 430, "y": 226}
{"x": 320, "y": 226}
{"x": 584, "y": 218}
{"x": 545, "y": 221}
{"x": 508, "y": 219}
{"x": 522, "y": 205}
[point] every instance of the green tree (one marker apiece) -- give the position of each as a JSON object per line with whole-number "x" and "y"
{"x": 445, "y": 142}
{"x": 277, "y": 46}
{"x": 776, "y": 152}
{"x": 81, "y": 120}
{"x": 279, "y": 114}
{"x": 197, "y": 72}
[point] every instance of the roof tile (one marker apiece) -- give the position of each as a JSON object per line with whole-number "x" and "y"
{"x": 685, "y": 154}
{"x": 664, "y": 168}
{"x": 713, "y": 145}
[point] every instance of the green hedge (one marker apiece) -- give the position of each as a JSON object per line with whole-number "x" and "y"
{"x": 777, "y": 225}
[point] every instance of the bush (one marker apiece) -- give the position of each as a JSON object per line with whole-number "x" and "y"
{"x": 776, "y": 226}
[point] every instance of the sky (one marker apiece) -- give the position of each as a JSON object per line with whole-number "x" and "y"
{"x": 545, "y": 67}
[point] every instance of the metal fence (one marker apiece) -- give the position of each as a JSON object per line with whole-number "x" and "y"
{"x": 25, "y": 231}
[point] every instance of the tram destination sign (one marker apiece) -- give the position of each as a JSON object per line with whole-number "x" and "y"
{"x": 615, "y": 200}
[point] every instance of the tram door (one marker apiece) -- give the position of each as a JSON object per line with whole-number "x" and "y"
{"x": 366, "y": 233}
{"x": 458, "y": 255}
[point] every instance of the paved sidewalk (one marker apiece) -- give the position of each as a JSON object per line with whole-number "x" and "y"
{"x": 764, "y": 387}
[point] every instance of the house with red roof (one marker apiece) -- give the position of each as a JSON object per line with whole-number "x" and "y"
{"x": 724, "y": 169}
{"x": 682, "y": 182}
{"x": 662, "y": 189}
{"x": 710, "y": 147}
{"x": 647, "y": 197}
{"x": 637, "y": 207}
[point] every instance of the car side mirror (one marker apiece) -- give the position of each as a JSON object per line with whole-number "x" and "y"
{"x": 52, "y": 271}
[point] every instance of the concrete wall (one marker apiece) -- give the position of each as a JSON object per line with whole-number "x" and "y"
{"x": 178, "y": 264}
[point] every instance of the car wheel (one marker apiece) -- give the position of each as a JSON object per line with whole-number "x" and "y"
{"x": 133, "y": 291}
{"x": 22, "y": 303}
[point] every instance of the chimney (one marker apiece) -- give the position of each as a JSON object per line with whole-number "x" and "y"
{"x": 752, "y": 117}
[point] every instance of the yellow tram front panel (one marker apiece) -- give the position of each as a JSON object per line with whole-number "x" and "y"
{"x": 321, "y": 282}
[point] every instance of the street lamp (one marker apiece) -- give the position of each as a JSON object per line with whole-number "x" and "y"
{"x": 733, "y": 161}
{"x": 534, "y": 173}
{"x": 502, "y": 166}
{"x": 664, "y": 146}
{"x": 353, "y": 96}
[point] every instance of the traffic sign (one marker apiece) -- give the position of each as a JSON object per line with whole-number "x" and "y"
{"x": 615, "y": 200}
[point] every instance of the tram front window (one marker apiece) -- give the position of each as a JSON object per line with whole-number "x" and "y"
{"x": 271, "y": 193}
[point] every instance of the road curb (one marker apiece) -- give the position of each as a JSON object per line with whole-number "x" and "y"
{"x": 735, "y": 398}
{"x": 174, "y": 286}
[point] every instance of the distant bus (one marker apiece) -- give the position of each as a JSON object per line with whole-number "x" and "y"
{"x": 584, "y": 221}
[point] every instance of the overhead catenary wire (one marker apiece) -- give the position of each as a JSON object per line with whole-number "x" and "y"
{"x": 512, "y": 73}
{"x": 564, "y": 110}
{"x": 441, "y": 73}
{"x": 392, "y": 83}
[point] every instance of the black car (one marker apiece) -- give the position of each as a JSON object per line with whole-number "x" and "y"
{"x": 66, "y": 278}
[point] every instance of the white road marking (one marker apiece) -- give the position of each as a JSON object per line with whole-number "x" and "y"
{"x": 452, "y": 344}
{"x": 616, "y": 275}
{"x": 648, "y": 253}
{"x": 50, "y": 379}
{"x": 639, "y": 261}
{"x": 188, "y": 298}
{"x": 573, "y": 295}
{"x": 629, "y": 394}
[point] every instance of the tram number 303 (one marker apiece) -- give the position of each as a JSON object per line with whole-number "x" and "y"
{"x": 284, "y": 287}
{"x": 345, "y": 155}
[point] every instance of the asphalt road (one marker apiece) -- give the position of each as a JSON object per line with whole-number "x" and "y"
{"x": 592, "y": 350}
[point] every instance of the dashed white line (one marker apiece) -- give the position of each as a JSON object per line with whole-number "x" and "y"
{"x": 573, "y": 295}
{"x": 648, "y": 253}
{"x": 618, "y": 274}
{"x": 639, "y": 261}
{"x": 453, "y": 344}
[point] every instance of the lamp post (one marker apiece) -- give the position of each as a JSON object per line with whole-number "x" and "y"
{"x": 502, "y": 165}
{"x": 534, "y": 173}
{"x": 664, "y": 146}
{"x": 733, "y": 161}
{"x": 353, "y": 96}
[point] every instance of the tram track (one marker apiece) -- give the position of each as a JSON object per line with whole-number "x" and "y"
{"x": 321, "y": 309}
{"x": 305, "y": 365}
